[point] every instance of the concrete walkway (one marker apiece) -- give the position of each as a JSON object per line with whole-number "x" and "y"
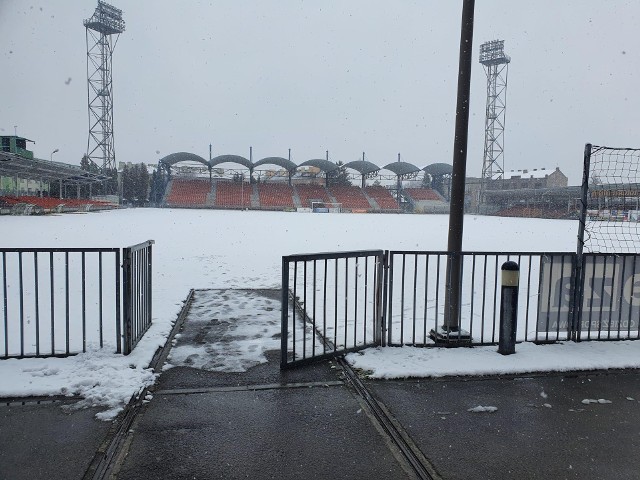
{"x": 218, "y": 413}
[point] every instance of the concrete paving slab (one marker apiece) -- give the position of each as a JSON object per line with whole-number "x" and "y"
{"x": 48, "y": 440}
{"x": 541, "y": 428}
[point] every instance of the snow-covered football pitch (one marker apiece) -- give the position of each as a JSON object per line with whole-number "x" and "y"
{"x": 205, "y": 249}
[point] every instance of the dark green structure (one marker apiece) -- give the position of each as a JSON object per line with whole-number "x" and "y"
{"x": 17, "y": 145}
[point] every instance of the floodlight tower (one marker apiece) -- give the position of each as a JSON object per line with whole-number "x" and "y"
{"x": 100, "y": 30}
{"x": 496, "y": 67}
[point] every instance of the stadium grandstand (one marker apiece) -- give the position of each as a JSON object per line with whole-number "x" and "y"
{"x": 276, "y": 183}
{"x": 27, "y": 183}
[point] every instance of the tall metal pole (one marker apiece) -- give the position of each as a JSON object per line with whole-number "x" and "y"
{"x": 456, "y": 212}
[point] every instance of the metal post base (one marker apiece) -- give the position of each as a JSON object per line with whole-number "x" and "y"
{"x": 444, "y": 335}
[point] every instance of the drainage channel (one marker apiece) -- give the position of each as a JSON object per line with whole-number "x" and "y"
{"x": 392, "y": 430}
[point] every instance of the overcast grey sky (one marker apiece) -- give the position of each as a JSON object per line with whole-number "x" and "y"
{"x": 343, "y": 76}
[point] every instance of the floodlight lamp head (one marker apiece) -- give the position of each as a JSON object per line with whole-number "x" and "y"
{"x": 106, "y": 19}
{"x": 492, "y": 53}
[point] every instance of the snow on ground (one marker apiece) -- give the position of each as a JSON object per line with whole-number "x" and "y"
{"x": 402, "y": 362}
{"x": 243, "y": 249}
{"x": 227, "y": 331}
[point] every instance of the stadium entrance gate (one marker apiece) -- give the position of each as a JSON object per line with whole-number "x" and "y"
{"x": 331, "y": 304}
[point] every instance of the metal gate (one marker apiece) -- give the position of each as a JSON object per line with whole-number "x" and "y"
{"x": 332, "y": 304}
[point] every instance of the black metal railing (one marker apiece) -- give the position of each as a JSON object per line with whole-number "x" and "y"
{"x": 331, "y": 304}
{"x": 417, "y": 290}
{"x": 63, "y": 301}
{"x": 324, "y": 313}
{"x": 137, "y": 287}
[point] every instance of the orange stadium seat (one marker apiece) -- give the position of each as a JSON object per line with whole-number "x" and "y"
{"x": 233, "y": 194}
{"x": 275, "y": 195}
{"x": 186, "y": 192}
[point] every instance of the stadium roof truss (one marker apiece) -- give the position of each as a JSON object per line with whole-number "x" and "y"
{"x": 245, "y": 162}
{"x": 324, "y": 165}
{"x": 362, "y": 166}
{"x": 279, "y": 161}
{"x": 12, "y": 165}
{"x": 402, "y": 168}
{"x": 174, "y": 158}
{"x": 438, "y": 169}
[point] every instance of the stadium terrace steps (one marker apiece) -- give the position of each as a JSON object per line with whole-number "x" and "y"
{"x": 167, "y": 191}
{"x": 371, "y": 200}
{"x": 211, "y": 196}
{"x": 255, "y": 199}
{"x": 350, "y": 197}
{"x": 310, "y": 192}
{"x": 382, "y": 197}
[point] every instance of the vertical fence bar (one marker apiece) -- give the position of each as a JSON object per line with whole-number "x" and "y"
{"x": 324, "y": 308}
{"x": 120, "y": 274}
{"x": 631, "y": 297}
{"x": 84, "y": 304}
{"x": 335, "y": 308}
{"x": 592, "y": 290}
{"x": 437, "y": 311}
{"x": 313, "y": 331}
{"x": 100, "y": 310}
{"x": 558, "y": 315}
{"x": 150, "y": 283}
{"x": 346, "y": 300}
{"x": 52, "y": 300}
{"x": 389, "y": 298}
{"x": 622, "y": 276}
{"x": 484, "y": 297}
{"x": 613, "y": 284}
{"x": 604, "y": 270}
{"x": 21, "y": 304}
{"x": 67, "y": 300}
{"x": 36, "y": 301}
{"x": 295, "y": 301}
{"x": 5, "y": 304}
{"x": 415, "y": 296}
{"x": 528, "y": 296}
{"x": 404, "y": 265}
{"x": 473, "y": 289}
{"x": 551, "y": 257}
{"x": 366, "y": 280}
{"x": 355, "y": 310}
{"x": 383, "y": 296}
{"x": 304, "y": 316}
{"x": 284, "y": 314}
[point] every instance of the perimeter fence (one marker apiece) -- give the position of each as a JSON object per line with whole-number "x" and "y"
{"x": 335, "y": 303}
{"x": 63, "y": 301}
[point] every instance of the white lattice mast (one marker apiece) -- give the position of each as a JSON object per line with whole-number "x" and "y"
{"x": 496, "y": 67}
{"x": 100, "y": 30}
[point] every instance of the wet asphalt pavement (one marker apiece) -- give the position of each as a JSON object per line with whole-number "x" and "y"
{"x": 309, "y": 423}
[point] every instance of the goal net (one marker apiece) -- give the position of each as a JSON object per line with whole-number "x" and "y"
{"x": 610, "y": 214}
{"x": 326, "y": 207}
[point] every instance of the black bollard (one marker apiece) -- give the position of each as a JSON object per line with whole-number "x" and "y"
{"x": 509, "y": 308}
